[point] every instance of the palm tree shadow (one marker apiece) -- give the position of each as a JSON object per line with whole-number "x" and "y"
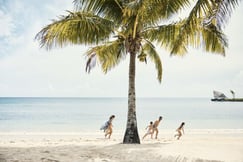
{"x": 146, "y": 144}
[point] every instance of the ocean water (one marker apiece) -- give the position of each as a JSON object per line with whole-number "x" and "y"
{"x": 88, "y": 114}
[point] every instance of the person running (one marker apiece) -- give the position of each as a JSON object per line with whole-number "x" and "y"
{"x": 107, "y": 127}
{"x": 180, "y": 130}
{"x": 109, "y": 131}
{"x": 150, "y": 130}
{"x": 155, "y": 127}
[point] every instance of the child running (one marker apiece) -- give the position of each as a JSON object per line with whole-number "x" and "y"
{"x": 180, "y": 130}
{"x": 150, "y": 130}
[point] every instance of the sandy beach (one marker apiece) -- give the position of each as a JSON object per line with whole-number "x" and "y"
{"x": 195, "y": 145}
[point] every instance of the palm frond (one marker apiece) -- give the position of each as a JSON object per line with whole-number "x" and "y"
{"x": 76, "y": 28}
{"x": 205, "y": 13}
{"x": 88, "y": 5}
{"x": 205, "y": 36}
{"x": 190, "y": 27}
{"x": 189, "y": 32}
{"x": 213, "y": 40}
{"x": 108, "y": 55}
{"x": 109, "y": 9}
{"x": 173, "y": 6}
{"x": 165, "y": 35}
{"x": 149, "y": 50}
{"x": 222, "y": 11}
{"x": 152, "y": 12}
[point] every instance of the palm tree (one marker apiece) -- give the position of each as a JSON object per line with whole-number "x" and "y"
{"x": 117, "y": 28}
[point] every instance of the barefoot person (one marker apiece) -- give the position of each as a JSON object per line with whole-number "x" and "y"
{"x": 109, "y": 130}
{"x": 107, "y": 127}
{"x": 155, "y": 127}
{"x": 150, "y": 130}
{"x": 180, "y": 130}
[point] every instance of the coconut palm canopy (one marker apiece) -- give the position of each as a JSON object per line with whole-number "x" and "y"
{"x": 115, "y": 29}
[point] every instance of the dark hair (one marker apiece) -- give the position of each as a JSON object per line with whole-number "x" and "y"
{"x": 151, "y": 122}
{"x": 112, "y": 116}
{"x": 160, "y": 118}
{"x": 182, "y": 124}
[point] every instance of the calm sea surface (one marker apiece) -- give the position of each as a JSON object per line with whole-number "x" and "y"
{"x": 88, "y": 114}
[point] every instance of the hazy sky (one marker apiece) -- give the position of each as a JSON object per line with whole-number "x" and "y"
{"x": 27, "y": 70}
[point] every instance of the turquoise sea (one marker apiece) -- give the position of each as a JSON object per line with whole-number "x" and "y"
{"x": 88, "y": 114}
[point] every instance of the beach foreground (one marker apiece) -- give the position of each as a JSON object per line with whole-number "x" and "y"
{"x": 195, "y": 145}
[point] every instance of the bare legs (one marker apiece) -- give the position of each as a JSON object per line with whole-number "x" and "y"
{"x": 178, "y": 135}
{"x": 156, "y": 132}
{"x": 148, "y": 133}
{"x": 108, "y": 133}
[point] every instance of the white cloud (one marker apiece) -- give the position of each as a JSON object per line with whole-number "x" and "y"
{"x": 6, "y": 26}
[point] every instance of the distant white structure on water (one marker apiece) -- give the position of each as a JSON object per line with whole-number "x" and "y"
{"x": 219, "y": 95}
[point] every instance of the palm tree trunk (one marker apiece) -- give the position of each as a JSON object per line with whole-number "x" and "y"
{"x": 131, "y": 134}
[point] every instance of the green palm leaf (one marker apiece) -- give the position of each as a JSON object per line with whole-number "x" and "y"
{"x": 76, "y": 28}
{"x": 190, "y": 28}
{"x": 214, "y": 40}
{"x": 109, "y": 9}
{"x": 109, "y": 55}
{"x": 152, "y": 12}
{"x": 165, "y": 35}
{"x": 150, "y": 51}
{"x": 222, "y": 11}
{"x": 202, "y": 20}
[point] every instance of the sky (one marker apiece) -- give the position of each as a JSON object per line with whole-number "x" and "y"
{"x": 26, "y": 70}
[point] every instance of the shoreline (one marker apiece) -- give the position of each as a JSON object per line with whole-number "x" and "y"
{"x": 196, "y": 145}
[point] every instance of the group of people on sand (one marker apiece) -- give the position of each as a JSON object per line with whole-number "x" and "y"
{"x": 151, "y": 128}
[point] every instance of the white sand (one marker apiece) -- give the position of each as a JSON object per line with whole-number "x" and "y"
{"x": 195, "y": 145}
